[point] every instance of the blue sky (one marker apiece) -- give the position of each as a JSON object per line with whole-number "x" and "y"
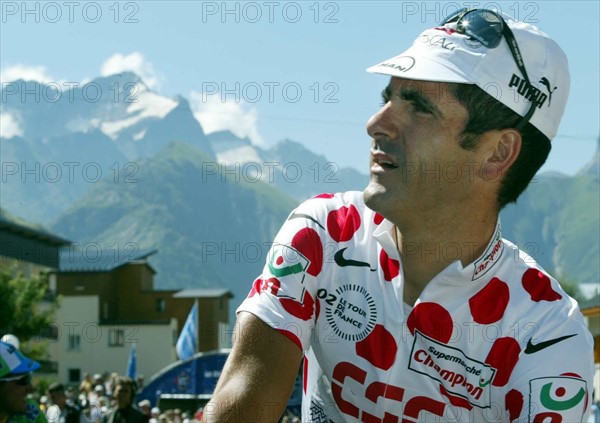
{"x": 285, "y": 69}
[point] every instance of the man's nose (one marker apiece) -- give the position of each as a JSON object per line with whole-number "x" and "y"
{"x": 382, "y": 123}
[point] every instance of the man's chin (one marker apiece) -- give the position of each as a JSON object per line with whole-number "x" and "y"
{"x": 373, "y": 195}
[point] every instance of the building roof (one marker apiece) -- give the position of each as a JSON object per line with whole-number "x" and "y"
{"x": 203, "y": 293}
{"x": 95, "y": 258}
{"x": 593, "y": 302}
{"x": 29, "y": 243}
{"x": 38, "y": 234}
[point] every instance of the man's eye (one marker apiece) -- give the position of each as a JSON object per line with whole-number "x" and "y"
{"x": 421, "y": 108}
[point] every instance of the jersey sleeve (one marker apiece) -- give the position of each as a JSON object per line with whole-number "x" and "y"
{"x": 284, "y": 294}
{"x": 553, "y": 379}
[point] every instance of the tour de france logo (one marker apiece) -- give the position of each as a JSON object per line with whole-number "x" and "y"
{"x": 350, "y": 311}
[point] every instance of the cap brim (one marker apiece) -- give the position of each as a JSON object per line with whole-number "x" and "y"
{"x": 27, "y": 365}
{"x": 421, "y": 68}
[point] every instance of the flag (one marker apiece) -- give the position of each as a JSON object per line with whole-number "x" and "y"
{"x": 187, "y": 344}
{"x": 132, "y": 363}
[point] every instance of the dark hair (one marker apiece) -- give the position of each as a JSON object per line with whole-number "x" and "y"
{"x": 124, "y": 380}
{"x": 485, "y": 114}
{"x": 56, "y": 387}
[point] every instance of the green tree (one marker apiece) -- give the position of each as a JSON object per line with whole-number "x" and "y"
{"x": 26, "y": 311}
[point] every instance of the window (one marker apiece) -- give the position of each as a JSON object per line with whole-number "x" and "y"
{"x": 160, "y": 304}
{"x": 74, "y": 342}
{"x": 74, "y": 375}
{"x": 116, "y": 337}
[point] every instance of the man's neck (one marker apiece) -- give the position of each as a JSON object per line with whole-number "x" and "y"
{"x": 427, "y": 247}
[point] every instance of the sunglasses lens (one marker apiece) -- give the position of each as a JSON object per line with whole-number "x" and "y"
{"x": 483, "y": 25}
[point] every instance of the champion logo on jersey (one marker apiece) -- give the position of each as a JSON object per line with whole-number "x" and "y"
{"x": 459, "y": 374}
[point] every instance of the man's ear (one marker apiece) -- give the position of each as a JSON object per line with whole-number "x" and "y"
{"x": 504, "y": 147}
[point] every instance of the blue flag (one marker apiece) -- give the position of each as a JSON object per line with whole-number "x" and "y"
{"x": 187, "y": 344}
{"x": 132, "y": 363}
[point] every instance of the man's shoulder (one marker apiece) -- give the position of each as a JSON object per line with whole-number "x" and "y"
{"x": 533, "y": 288}
{"x": 343, "y": 203}
{"x": 138, "y": 416}
{"x": 328, "y": 199}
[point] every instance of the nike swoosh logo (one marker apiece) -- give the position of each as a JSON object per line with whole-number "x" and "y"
{"x": 342, "y": 262}
{"x": 304, "y": 216}
{"x": 533, "y": 348}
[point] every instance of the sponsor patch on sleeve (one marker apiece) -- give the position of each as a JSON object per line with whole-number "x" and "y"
{"x": 560, "y": 398}
{"x": 289, "y": 266}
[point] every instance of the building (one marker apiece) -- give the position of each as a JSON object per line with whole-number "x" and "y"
{"x": 108, "y": 303}
{"x": 591, "y": 312}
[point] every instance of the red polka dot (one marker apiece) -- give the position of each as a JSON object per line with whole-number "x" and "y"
{"x": 379, "y": 348}
{"x": 272, "y": 285}
{"x": 432, "y": 320}
{"x": 291, "y": 336}
{"x": 489, "y": 304}
{"x": 302, "y": 310}
{"x": 389, "y": 266}
{"x": 309, "y": 244}
{"x": 343, "y": 223}
{"x": 305, "y": 374}
{"x": 503, "y": 357}
{"x": 539, "y": 287}
{"x": 279, "y": 260}
{"x": 571, "y": 375}
{"x": 560, "y": 391}
{"x": 514, "y": 404}
{"x": 324, "y": 195}
{"x": 377, "y": 219}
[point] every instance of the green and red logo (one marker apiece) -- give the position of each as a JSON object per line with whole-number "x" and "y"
{"x": 561, "y": 397}
{"x": 289, "y": 266}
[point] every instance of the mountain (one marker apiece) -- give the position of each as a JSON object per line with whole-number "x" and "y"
{"x": 209, "y": 229}
{"x": 288, "y": 165}
{"x": 69, "y": 136}
{"x": 40, "y": 178}
{"x": 556, "y": 222}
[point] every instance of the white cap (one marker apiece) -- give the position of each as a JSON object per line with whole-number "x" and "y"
{"x": 443, "y": 55}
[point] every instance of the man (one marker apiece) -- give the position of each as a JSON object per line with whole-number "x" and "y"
{"x": 145, "y": 407}
{"x": 68, "y": 412}
{"x": 404, "y": 300}
{"x": 15, "y": 384}
{"x": 124, "y": 412}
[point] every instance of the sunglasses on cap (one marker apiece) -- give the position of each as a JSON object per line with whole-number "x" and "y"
{"x": 488, "y": 27}
{"x": 23, "y": 380}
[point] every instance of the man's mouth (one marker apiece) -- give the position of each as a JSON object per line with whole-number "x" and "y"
{"x": 383, "y": 160}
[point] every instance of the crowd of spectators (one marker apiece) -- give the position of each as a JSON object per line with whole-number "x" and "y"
{"x": 95, "y": 398}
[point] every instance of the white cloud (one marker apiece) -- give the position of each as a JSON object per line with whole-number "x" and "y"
{"x": 216, "y": 115}
{"x": 134, "y": 62}
{"x": 27, "y": 73}
{"x": 10, "y": 125}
